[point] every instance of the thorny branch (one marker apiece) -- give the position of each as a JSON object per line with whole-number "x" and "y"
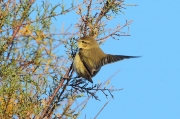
{"x": 66, "y": 76}
{"x": 43, "y": 18}
{"x": 80, "y": 86}
{"x": 16, "y": 30}
{"x": 92, "y": 24}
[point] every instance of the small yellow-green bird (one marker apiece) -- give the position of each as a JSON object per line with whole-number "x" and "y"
{"x": 90, "y": 58}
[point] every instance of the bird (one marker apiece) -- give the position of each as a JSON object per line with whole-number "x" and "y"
{"x": 90, "y": 58}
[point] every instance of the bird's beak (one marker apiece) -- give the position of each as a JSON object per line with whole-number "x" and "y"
{"x": 79, "y": 43}
{"x": 78, "y": 40}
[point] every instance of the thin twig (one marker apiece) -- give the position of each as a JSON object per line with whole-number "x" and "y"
{"x": 101, "y": 109}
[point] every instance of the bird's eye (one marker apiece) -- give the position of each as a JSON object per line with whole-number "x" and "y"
{"x": 83, "y": 42}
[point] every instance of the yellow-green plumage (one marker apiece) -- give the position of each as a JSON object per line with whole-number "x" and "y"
{"x": 91, "y": 58}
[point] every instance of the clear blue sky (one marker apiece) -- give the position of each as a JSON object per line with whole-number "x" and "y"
{"x": 151, "y": 84}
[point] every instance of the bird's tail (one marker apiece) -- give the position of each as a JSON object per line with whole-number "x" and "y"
{"x": 114, "y": 58}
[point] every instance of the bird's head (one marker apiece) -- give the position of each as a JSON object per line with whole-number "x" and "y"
{"x": 87, "y": 43}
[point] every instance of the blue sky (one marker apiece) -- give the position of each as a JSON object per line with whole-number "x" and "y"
{"x": 151, "y": 84}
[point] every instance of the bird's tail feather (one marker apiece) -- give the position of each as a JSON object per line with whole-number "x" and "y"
{"x": 114, "y": 58}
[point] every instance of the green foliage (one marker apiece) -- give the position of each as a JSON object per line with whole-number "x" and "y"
{"x": 26, "y": 57}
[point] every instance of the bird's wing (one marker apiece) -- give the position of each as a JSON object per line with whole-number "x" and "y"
{"x": 114, "y": 58}
{"x": 89, "y": 64}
